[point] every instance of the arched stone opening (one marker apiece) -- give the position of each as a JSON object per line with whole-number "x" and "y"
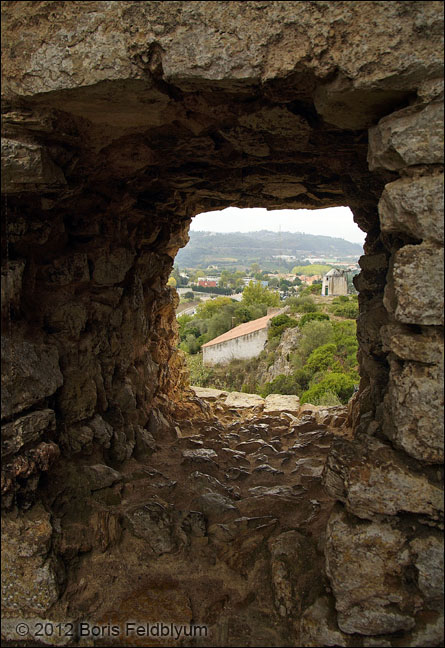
{"x": 106, "y": 163}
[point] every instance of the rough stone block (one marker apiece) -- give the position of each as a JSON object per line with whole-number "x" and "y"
{"x": 100, "y": 476}
{"x": 153, "y": 522}
{"x": 430, "y": 633}
{"x": 145, "y": 444}
{"x": 414, "y": 207}
{"x": 78, "y": 396}
{"x": 209, "y": 394}
{"x": 365, "y": 562}
{"x": 241, "y": 400}
{"x": 111, "y": 268}
{"x": 67, "y": 270}
{"x": 414, "y": 293}
{"x": 293, "y": 569}
{"x": 69, "y": 318}
{"x": 318, "y": 626}
{"x": 28, "y": 167}
{"x": 413, "y": 410}
{"x": 26, "y": 429}
{"x": 428, "y": 561}
{"x": 373, "y": 479}
{"x": 425, "y": 347}
{"x": 276, "y": 404}
{"x": 407, "y": 137}
{"x": 12, "y": 274}
{"x": 29, "y": 581}
{"x": 30, "y": 373}
{"x": 102, "y": 431}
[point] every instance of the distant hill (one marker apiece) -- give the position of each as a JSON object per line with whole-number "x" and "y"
{"x": 236, "y": 248}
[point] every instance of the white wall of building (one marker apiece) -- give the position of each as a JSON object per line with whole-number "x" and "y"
{"x": 335, "y": 286}
{"x": 240, "y": 348}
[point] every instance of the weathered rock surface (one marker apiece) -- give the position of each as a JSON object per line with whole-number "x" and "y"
{"x": 276, "y": 404}
{"x": 407, "y": 137}
{"x": 30, "y": 373}
{"x": 414, "y": 207}
{"x": 239, "y": 400}
{"x": 121, "y": 121}
{"x": 372, "y": 479}
{"x": 30, "y": 578}
{"x": 414, "y": 406}
{"x": 411, "y": 295}
{"x": 188, "y": 529}
{"x": 26, "y": 429}
{"x": 371, "y": 596}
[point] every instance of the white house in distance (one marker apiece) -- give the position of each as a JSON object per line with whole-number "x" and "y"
{"x": 334, "y": 283}
{"x": 241, "y": 343}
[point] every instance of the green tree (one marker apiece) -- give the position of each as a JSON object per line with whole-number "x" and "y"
{"x": 211, "y": 307}
{"x": 255, "y": 293}
{"x": 242, "y": 314}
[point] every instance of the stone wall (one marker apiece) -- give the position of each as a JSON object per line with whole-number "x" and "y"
{"x": 121, "y": 121}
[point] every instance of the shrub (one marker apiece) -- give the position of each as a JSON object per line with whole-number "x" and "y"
{"x": 279, "y": 324}
{"x": 280, "y": 385}
{"x": 322, "y": 359}
{"x": 308, "y": 317}
{"x": 199, "y": 375}
{"x": 342, "y": 385}
{"x": 302, "y": 305}
{"x": 327, "y": 398}
{"x": 314, "y": 334}
{"x": 348, "y": 310}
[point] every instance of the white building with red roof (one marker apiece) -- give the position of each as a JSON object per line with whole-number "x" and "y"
{"x": 240, "y": 343}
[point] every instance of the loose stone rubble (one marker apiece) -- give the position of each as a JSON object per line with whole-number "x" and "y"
{"x": 121, "y": 121}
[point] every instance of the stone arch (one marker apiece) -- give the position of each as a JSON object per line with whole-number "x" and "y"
{"x": 122, "y": 121}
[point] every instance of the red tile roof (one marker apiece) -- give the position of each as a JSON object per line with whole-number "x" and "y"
{"x": 242, "y": 329}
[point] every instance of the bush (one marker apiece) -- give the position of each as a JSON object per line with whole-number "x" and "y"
{"x": 199, "y": 375}
{"x": 302, "y": 305}
{"x": 348, "y": 310}
{"x": 308, "y": 317}
{"x": 279, "y": 324}
{"x": 327, "y": 398}
{"x": 189, "y": 295}
{"x": 322, "y": 359}
{"x": 314, "y": 334}
{"x": 280, "y": 385}
{"x": 342, "y": 385}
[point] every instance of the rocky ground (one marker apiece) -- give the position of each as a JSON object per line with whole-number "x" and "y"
{"x": 223, "y": 526}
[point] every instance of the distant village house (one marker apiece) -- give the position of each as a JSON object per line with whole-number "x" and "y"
{"x": 241, "y": 343}
{"x": 208, "y": 282}
{"x": 334, "y": 283}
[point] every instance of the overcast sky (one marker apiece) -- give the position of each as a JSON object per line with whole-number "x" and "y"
{"x": 334, "y": 221}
